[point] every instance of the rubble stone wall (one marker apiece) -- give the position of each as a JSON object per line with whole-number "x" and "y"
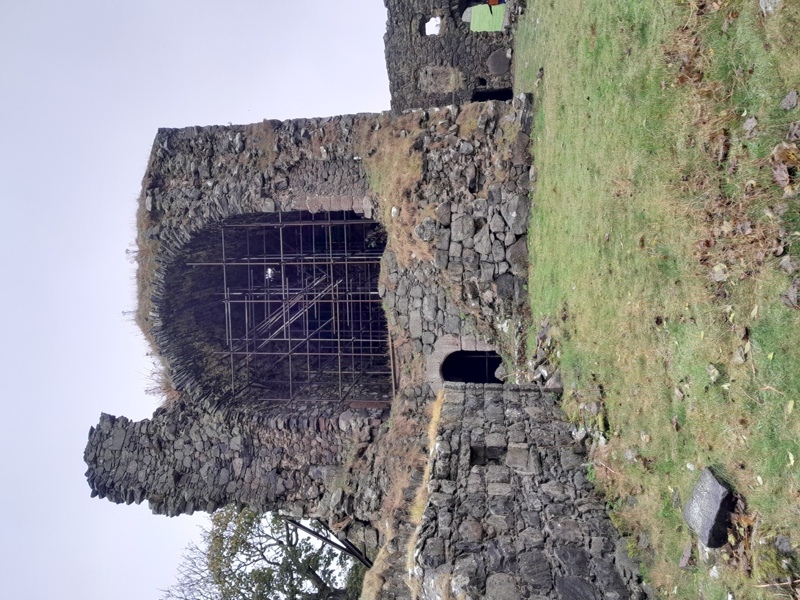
{"x": 436, "y": 70}
{"x": 197, "y": 178}
{"x": 196, "y": 458}
{"x": 470, "y": 208}
{"x": 511, "y": 513}
{"x": 474, "y": 188}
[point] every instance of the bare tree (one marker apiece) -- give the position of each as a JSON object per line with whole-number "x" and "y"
{"x": 248, "y": 556}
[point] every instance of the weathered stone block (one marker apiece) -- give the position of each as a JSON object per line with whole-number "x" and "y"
{"x": 499, "y": 489}
{"x": 497, "y": 474}
{"x": 574, "y": 561}
{"x": 565, "y": 530}
{"x": 610, "y": 581}
{"x": 470, "y": 530}
{"x": 465, "y": 574}
{"x": 496, "y": 446}
{"x": 517, "y": 256}
{"x": 534, "y": 568}
{"x": 441, "y": 500}
{"x": 708, "y": 510}
{"x": 502, "y": 586}
{"x": 415, "y": 324}
{"x": 570, "y": 460}
{"x": 498, "y": 62}
{"x": 462, "y": 228}
{"x": 497, "y": 525}
{"x": 517, "y": 456}
{"x": 433, "y": 553}
{"x": 575, "y": 588}
{"x": 515, "y": 211}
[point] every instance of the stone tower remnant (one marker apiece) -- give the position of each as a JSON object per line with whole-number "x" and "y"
{"x": 453, "y": 66}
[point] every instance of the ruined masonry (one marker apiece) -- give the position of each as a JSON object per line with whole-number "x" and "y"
{"x": 453, "y": 67}
{"x": 303, "y": 279}
{"x": 511, "y": 513}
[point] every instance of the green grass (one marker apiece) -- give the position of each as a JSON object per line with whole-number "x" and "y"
{"x": 484, "y": 19}
{"x": 627, "y": 149}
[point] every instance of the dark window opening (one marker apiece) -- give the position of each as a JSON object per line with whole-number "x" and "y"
{"x": 480, "y": 454}
{"x": 499, "y": 94}
{"x": 297, "y": 311}
{"x": 477, "y": 455}
{"x": 471, "y": 367}
{"x": 481, "y": 82}
{"x": 432, "y": 26}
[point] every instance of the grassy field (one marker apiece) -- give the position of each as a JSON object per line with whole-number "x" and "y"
{"x": 656, "y": 247}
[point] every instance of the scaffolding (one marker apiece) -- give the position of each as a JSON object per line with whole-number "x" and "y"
{"x": 303, "y": 318}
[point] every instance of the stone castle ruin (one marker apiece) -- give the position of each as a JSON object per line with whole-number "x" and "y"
{"x": 453, "y": 66}
{"x": 321, "y": 291}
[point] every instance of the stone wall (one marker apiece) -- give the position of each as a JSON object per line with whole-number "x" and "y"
{"x": 465, "y": 214}
{"x": 435, "y": 70}
{"x": 474, "y": 186}
{"x": 199, "y": 177}
{"x": 195, "y": 458}
{"x": 511, "y": 513}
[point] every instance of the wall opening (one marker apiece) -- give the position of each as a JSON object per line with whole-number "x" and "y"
{"x": 471, "y": 366}
{"x": 433, "y": 26}
{"x": 295, "y": 307}
{"x": 498, "y": 94}
{"x": 483, "y": 16}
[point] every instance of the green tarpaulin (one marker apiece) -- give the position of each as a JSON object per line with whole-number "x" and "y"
{"x": 484, "y": 20}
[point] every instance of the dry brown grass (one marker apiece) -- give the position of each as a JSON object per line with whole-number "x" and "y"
{"x": 161, "y": 385}
{"x": 405, "y": 457}
{"x": 374, "y": 578}
{"x": 146, "y": 265}
{"x": 394, "y": 167}
{"x": 417, "y": 509}
{"x": 467, "y": 119}
{"x": 263, "y": 138}
{"x": 435, "y": 417}
{"x": 414, "y": 585}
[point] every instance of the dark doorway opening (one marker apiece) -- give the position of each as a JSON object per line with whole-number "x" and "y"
{"x": 471, "y": 367}
{"x": 294, "y": 308}
{"x": 432, "y": 26}
{"x": 500, "y": 94}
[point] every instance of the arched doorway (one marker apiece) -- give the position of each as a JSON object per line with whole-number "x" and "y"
{"x": 284, "y": 307}
{"x": 471, "y": 366}
{"x": 498, "y": 94}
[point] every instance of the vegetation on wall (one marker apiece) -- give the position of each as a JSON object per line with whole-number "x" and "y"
{"x": 394, "y": 167}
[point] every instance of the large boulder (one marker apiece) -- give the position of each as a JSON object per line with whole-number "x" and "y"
{"x": 499, "y": 63}
{"x": 708, "y": 510}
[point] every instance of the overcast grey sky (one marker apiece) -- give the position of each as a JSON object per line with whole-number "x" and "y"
{"x": 83, "y": 87}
